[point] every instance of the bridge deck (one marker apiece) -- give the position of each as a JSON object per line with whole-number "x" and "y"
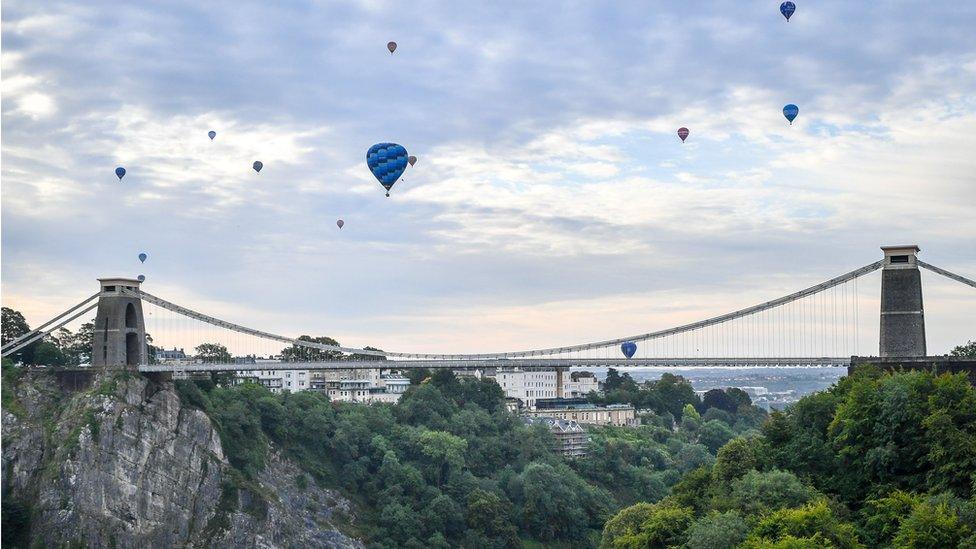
{"x": 524, "y": 363}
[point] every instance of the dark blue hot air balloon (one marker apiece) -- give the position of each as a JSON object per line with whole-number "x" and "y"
{"x": 211, "y": 134}
{"x": 143, "y": 256}
{"x": 141, "y": 278}
{"x": 387, "y": 161}
{"x": 257, "y": 165}
{"x": 790, "y": 111}
{"x": 120, "y": 171}
{"x": 628, "y": 348}
{"x": 787, "y": 9}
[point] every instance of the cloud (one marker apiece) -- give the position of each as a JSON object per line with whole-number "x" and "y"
{"x": 551, "y": 190}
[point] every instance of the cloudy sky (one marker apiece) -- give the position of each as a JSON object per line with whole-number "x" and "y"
{"x": 552, "y": 202}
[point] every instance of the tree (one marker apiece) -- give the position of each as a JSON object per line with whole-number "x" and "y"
{"x": 968, "y": 350}
{"x": 757, "y": 492}
{"x": 659, "y": 525}
{"x": 617, "y": 382}
{"x": 717, "y": 531}
{"x": 361, "y": 356}
{"x": 13, "y": 324}
{"x": 298, "y": 353}
{"x": 735, "y": 459}
{"x": 212, "y": 353}
{"x": 79, "y": 346}
{"x": 717, "y": 398}
{"x": 714, "y": 434}
{"x": 491, "y": 516}
{"x": 813, "y": 525}
{"x": 931, "y": 526}
{"x": 444, "y": 452}
{"x": 47, "y": 353}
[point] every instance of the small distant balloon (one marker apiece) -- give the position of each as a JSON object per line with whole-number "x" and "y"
{"x": 683, "y": 134}
{"x": 790, "y": 111}
{"x": 392, "y": 47}
{"x": 340, "y": 223}
{"x": 211, "y": 134}
{"x": 143, "y": 256}
{"x": 141, "y": 278}
{"x": 257, "y": 166}
{"x": 628, "y": 348}
{"x": 412, "y": 160}
{"x": 787, "y": 9}
{"x": 387, "y": 161}
{"x": 120, "y": 172}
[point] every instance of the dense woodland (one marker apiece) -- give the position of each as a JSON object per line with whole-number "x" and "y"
{"x": 878, "y": 460}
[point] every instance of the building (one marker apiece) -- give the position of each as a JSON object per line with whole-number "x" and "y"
{"x": 275, "y": 380}
{"x": 571, "y": 438}
{"x": 620, "y": 415}
{"x": 527, "y": 386}
{"x": 363, "y": 386}
{"x": 580, "y": 384}
{"x": 163, "y": 355}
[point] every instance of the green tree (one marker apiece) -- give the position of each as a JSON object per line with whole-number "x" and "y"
{"x": 659, "y": 525}
{"x": 299, "y": 353}
{"x": 717, "y": 531}
{"x": 714, "y": 434}
{"x": 212, "y": 353}
{"x": 757, "y": 492}
{"x": 883, "y": 516}
{"x": 491, "y": 516}
{"x": 735, "y": 459}
{"x": 13, "y": 324}
{"x": 967, "y": 350}
{"x": 931, "y": 526}
{"x": 47, "y": 353}
{"x": 444, "y": 453}
{"x": 814, "y": 523}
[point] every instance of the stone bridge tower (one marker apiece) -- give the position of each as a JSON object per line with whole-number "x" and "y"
{"x": 120, "y": 331}
{"x": 902, "y": 316}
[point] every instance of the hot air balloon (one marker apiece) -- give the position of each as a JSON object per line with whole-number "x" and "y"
{"x": 787, "y": 9}
{"x": 412, "y": 160}
{"x": 683, "y": 134}
{"x": 120, "y": 172}
{"x": 387, "y": 161}
{"x": 392, "y": 47}
{"x": 211, "y": 134}
{"x": 790, "y": 111}
{"x": 143, "y": 256}
{"x": 257, "y": 166}
{"x": 340, "y": 223}
{"x": 141, "y": 278}
{"x": 628, "y": 348}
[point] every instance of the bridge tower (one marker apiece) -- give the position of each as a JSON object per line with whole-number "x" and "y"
{"x": 902, "y": 317}
{"x": 120, "y": 331}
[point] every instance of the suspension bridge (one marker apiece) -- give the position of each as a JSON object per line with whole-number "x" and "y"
{"x": 816, "y": 326}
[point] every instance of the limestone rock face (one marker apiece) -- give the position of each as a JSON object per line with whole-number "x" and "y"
{"x": 127, "y": 465}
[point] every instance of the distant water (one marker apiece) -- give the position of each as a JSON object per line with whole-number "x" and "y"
{"x": 770, "y": 387}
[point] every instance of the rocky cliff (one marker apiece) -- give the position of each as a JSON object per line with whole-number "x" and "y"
{"x": 125, "y": 464}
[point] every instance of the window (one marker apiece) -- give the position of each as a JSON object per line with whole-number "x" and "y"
{"x": 899, "y": 259}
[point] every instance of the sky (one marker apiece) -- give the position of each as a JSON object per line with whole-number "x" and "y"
{"x": 552, "y": 202}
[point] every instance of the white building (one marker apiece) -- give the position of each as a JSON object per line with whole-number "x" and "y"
{"x": 579, "y": 384}
{"x": 527, "y": 386}
{"x": 278, "y": 380}
{"x": 364, "y": 386}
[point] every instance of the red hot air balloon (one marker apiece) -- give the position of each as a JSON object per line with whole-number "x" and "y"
{"x": 683, "y": 134}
